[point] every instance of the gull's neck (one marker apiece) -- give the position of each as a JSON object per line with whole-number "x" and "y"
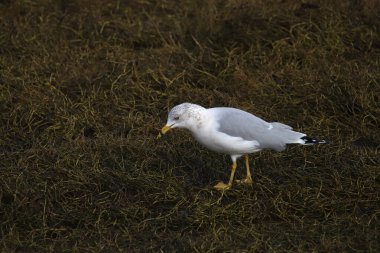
{"x": 197, "y": 115}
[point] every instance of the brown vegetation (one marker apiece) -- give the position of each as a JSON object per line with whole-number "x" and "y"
{"x": 86, "y": 85}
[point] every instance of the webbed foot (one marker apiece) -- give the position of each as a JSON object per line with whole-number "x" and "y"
{"x": 222, "y": 186}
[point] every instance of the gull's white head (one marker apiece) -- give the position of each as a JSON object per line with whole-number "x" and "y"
{"x": 185, "y": 115}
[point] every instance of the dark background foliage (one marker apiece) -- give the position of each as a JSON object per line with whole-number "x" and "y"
{"x": 85, "y": 86}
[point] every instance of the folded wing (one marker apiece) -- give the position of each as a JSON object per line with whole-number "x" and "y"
{"x": 238, "y": 123}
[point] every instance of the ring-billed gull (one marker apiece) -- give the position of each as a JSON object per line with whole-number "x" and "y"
{"x": 235, "y": 132}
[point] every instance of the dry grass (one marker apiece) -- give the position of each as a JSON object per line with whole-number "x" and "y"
{"x": 85, "y": 85}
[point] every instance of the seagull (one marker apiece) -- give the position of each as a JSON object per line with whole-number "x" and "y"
{"x": 234, "y": 132}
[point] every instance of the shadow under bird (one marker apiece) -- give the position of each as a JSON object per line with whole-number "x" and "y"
{"x": 235, "y": 132}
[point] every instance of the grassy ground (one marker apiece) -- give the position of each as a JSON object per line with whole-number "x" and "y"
{"x": 85, "y": 86}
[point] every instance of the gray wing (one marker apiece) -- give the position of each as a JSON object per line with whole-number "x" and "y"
{"x": 235, "y": 122}
{"x": 239, "y": 123}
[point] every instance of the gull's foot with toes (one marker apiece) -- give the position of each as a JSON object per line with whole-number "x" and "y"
{"x": 222, "y": 186}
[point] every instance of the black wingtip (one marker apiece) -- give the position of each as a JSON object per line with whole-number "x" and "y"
{"x": 311, "y": 141}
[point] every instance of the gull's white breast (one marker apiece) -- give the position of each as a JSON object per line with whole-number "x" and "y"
{"x": 208, "y": 135}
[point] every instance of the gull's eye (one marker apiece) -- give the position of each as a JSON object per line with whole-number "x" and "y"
{"x": 176, "y": 118}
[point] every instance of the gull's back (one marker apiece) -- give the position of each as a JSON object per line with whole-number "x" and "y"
{"x": 238, "y": 123}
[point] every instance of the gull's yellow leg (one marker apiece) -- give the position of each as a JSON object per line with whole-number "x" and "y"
{"x": 248, "y": 178}
{"x": 223, "y": 186}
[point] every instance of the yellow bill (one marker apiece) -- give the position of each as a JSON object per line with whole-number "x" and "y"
{"x": 164, "y": 130}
